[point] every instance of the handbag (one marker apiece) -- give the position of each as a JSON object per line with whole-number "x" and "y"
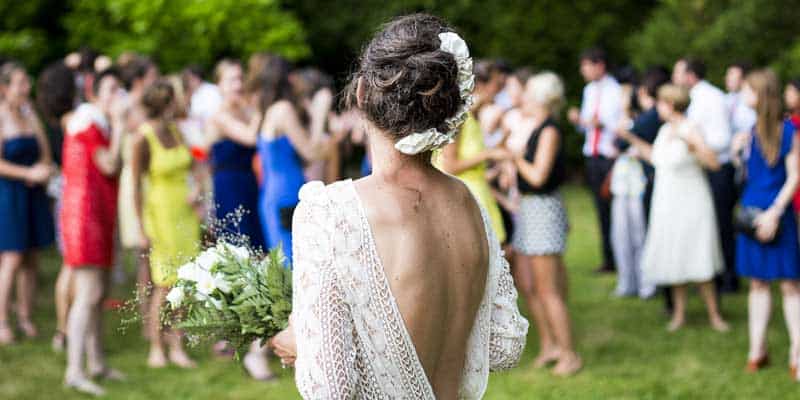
{"x": 744, "y": 221}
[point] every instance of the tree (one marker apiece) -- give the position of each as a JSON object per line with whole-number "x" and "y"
{"x": 181, "y": 32}
{"x": 27, "y": 32}
{"x": 721, "y": 32}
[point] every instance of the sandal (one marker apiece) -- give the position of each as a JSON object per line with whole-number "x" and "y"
{"x": 28, "y": 328}
{"x": 59, "y": 342}
{"x": 84, "y": 385}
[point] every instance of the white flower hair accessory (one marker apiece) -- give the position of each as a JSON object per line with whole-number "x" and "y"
{"x": 431, "y": 139}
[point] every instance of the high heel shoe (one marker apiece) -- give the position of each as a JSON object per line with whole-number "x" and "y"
{"x": 754, "y": 366}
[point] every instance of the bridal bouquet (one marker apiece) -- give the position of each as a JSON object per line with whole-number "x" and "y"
{"x": 229, "y": 293}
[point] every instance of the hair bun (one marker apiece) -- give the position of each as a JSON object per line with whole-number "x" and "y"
{"x": 410, "y": 84}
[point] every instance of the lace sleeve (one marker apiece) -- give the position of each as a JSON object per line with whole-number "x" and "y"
{"x": 323, "y": 326}
{"x": 509, "y": 329}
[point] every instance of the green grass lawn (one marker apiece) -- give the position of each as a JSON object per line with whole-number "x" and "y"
{"x": 627, "y": 351}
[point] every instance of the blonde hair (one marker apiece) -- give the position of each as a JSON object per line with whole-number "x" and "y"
{"x": 676, "y": 95}
{"x": 547, "y": 89}
{"x": 769, "y": 128}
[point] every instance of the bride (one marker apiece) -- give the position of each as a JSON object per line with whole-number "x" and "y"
{"x": 400, "y": 287}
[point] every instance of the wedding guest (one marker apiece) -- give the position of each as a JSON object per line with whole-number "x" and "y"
{"x": 88, "y": 220}
{"x": 772, "y": 252}
{"x": 708, "y": 112}
{"x": 791, "y": 101}
{"x": 631, "y": 186}
{"x": 540, "y": 234}
{"x": 682, "y": 245}
{"x": 55, "y": 98}
{"x": 467, "y": 157}
{"x": 137, "y": 73}
{"x": 25, "y": 167}
{"x": 742, "y": 117}
{"x": 307, "y": 84}
{"x": 168, "y": 222}
{"x": 231, "y": 138}
{"x": 452, "y": 302}
{"x": 284, "y": 145}
{"x": 598, "y": 117}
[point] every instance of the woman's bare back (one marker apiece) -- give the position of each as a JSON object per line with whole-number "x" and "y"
{"x": 433, "y": 248}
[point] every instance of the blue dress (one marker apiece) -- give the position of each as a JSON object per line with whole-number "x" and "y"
{"x": 24, "y": 211}
{"x": 235, "y": 186}
{"x": 780, "y": 259}
{"x": 283, "y": 178}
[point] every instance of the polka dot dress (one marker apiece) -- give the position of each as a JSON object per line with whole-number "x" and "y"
{"x": 541, "y": 225}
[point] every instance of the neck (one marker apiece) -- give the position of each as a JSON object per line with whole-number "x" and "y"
{"x": 676, "y": 117}
{"x": 390, "y": 165}
{"x": 600, "y": 78}
{"x": 539, "y": 113}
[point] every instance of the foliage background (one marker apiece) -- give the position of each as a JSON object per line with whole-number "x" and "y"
{"x": 544, "y": 34}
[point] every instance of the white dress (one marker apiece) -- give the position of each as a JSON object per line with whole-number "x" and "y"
{"x": 351, "y": 339}
{"x": 682, "y": 244}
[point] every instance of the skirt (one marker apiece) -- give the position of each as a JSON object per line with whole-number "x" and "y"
{"x": 541, "y": 225}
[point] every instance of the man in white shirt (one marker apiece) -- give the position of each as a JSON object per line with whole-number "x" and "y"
{"x": 708, "y": 110}
{"x": 741, "y": 116}
{"x": 601, "y": 109}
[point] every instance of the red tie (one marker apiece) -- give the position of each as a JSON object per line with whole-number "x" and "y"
{"x": 596, "y": 131}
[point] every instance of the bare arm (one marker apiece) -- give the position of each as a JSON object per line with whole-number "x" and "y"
{"x": 536, "y": 173}
{"x": 310, "y": 146}
{"x": 789, "y": 187}
{"x": 139, "y": 163}
{"x": 704, "y": 153}
{"x": 644, "y": 148}
{"x": 11, "y": 170}
{"x": 243, "y": 133}
{"x": 454, "y": 165}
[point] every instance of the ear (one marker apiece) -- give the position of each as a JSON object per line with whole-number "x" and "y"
{"x": 360, "y": 92}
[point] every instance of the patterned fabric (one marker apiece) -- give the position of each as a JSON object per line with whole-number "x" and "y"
{"x": 169, "y": 220}
{"x": 351, "y": 338}
{"x": 89, "y": 202}
{"x": 541, "y": 226}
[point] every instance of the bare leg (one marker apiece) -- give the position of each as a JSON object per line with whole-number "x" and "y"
{"x": 759, "y": 304}
{"x": 791, "y": 313}
{"x": 82, "y": 326}
{"x": 62, "y": 299}
{"x": 524, "y": 279}
{"x": 709, "y": 293}
{"x": 679, "y": 308}
{"x": 26, "y": 294}
{"x": 157, "y": 357}
{"x": 549, "y": 288}
{"x": 143, "y": 286}
{"x": 177, "y": 354}
{"x": 10, "y": 262}
{"x": 255, "y": 361}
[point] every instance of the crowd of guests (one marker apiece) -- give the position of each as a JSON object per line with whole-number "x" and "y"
{"x": 112, "y": 158}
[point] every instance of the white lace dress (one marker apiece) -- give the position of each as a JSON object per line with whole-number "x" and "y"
{"x": 351, "y": 339}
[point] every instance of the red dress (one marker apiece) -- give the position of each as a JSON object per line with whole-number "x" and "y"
{"x": 89, "y": 201}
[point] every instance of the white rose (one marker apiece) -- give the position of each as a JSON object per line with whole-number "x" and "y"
{"x": 205, "y": 282}
{"x": 239, "y": 252}
{"x": 453, "y": 44}
{"x": 188, "y": 272}
{"x": 207, "y": 259}
{"x": 175, "y": 297}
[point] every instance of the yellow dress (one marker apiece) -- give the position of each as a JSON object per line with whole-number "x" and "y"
{"x": 470, "y": 143}
{"x": 169, "y": 220}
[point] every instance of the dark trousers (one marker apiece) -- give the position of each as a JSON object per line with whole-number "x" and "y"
{"x": 597, "y": 168}
{"x": 723, "y": 189}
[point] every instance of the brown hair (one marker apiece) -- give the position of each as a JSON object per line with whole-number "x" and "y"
{"x": 769, "y": 128}
{"x": 676, "y": 95}
{"x": 409, "y": 83}
{"x": 157, "y": 98}
{"x": 7, "y": 70}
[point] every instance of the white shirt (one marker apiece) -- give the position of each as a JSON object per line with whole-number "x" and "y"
{"x": 205, "y": 101}
{"x": 742, "y": 117}
{"x": 607, "y": 91}
{"x": 707, "y": 110}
